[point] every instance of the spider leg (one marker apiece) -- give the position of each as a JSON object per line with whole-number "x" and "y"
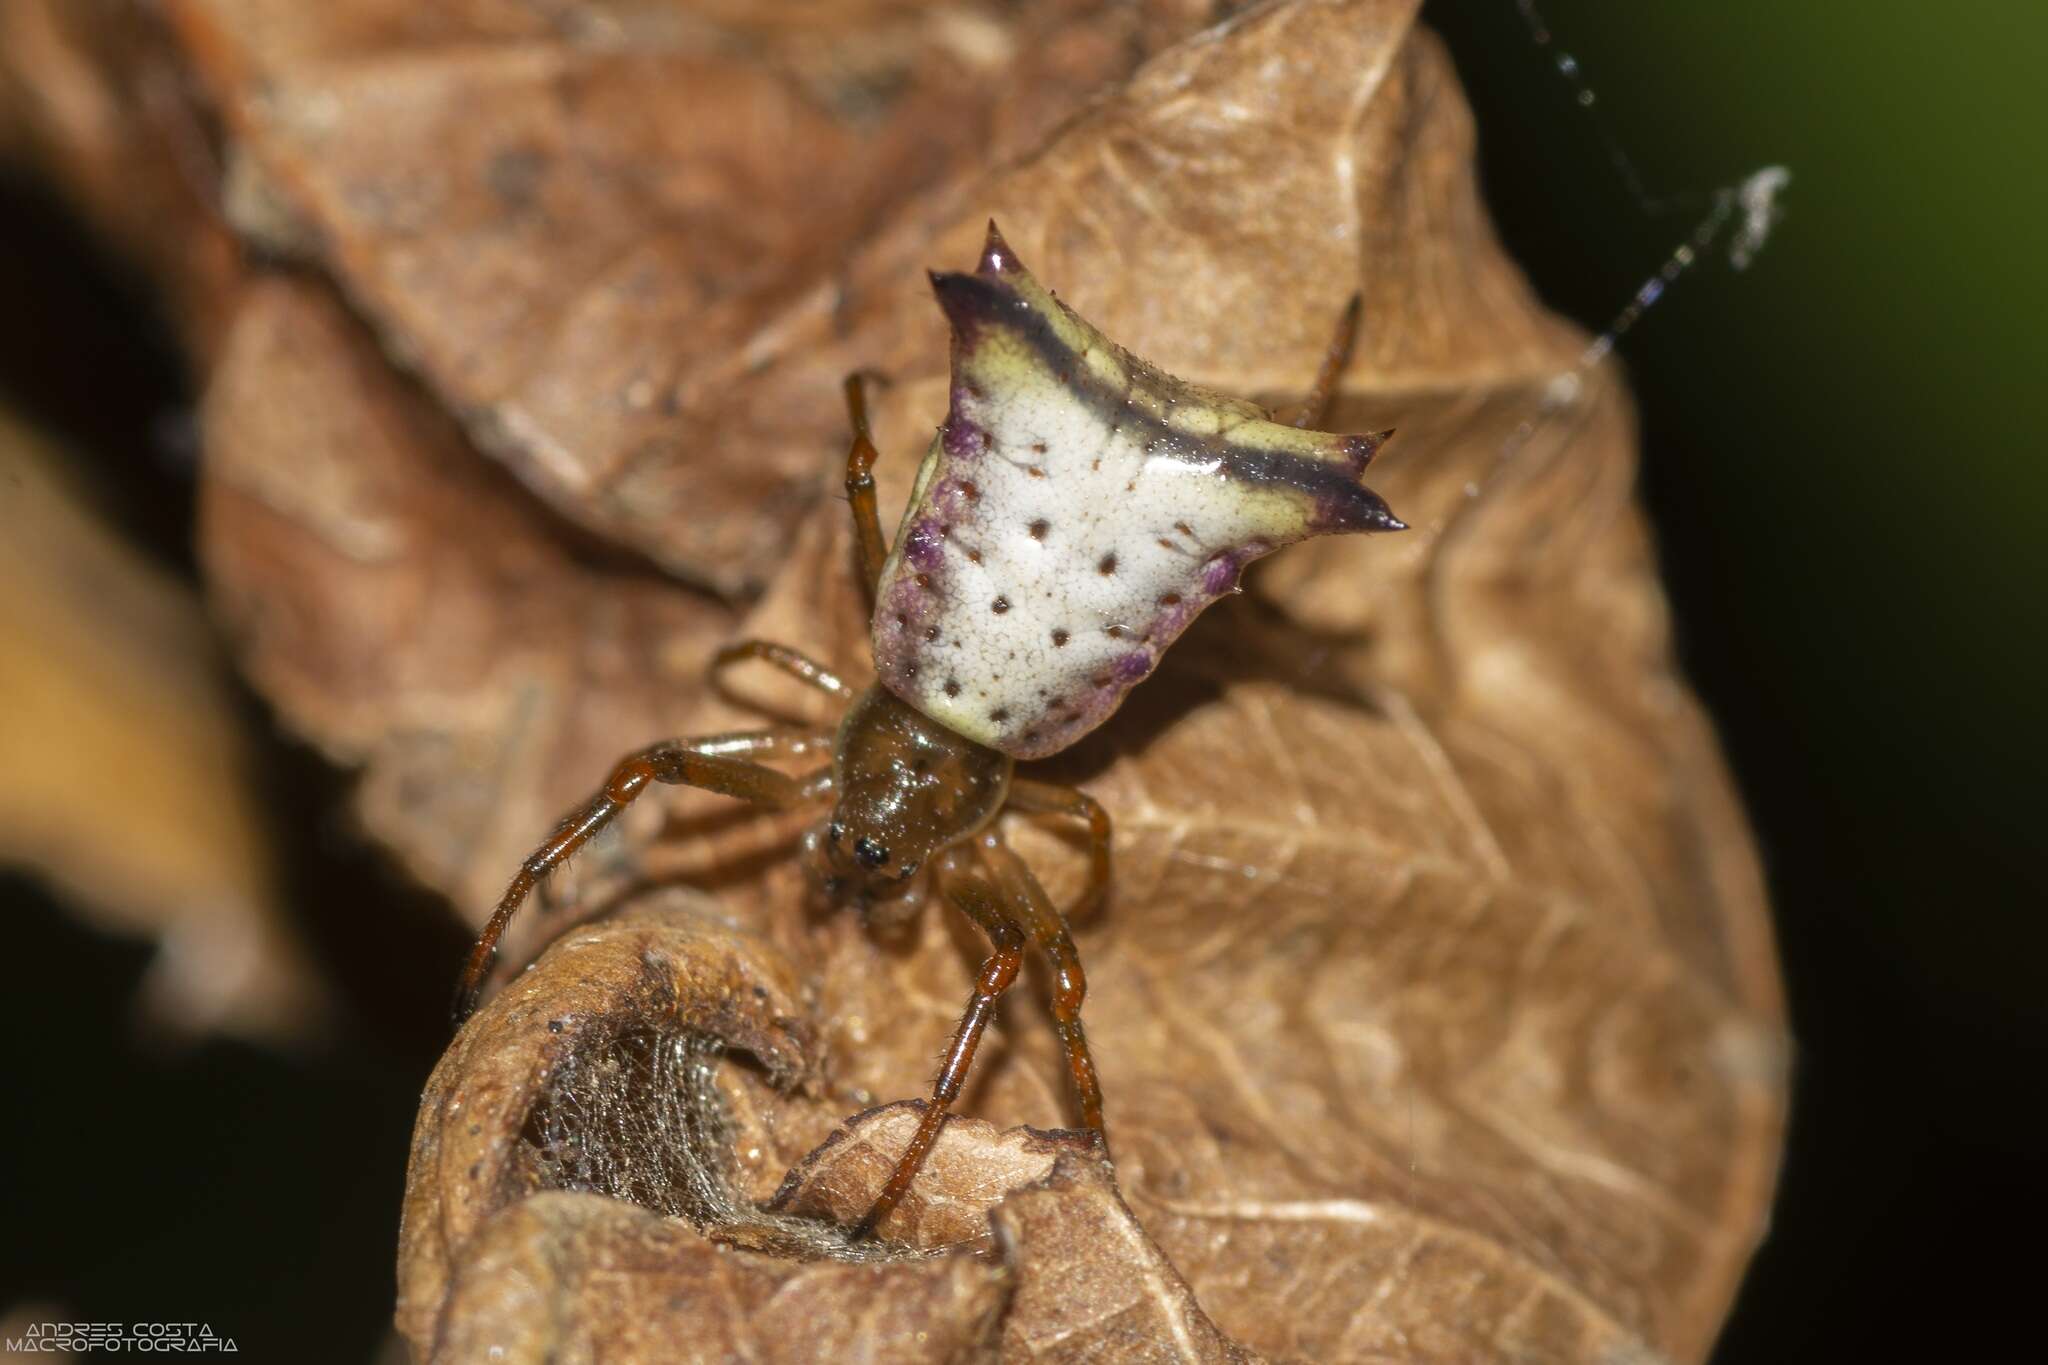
{"x": 713, "y": 762}
{"x": 1048, "y": 798}
{"x": 796, "y": 665}
{"x": 1029, "y": 905}
{"x": 982, "y": 903}
{"x": 1318, "y": 399}
{"x": 547, "y": 897}
{"x": 860, "y": 490}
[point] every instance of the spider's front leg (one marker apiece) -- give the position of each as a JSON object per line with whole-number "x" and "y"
{"x": 1030, "y": 907}
{"x": 713, "y": 762}
{"x": 978, "y": 899}
{"x": 1011, "y": 907}
{"x": 1048, "y": 798}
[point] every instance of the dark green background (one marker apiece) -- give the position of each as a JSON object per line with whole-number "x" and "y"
{"x": 1843, "y": 455}
{"x": 1843, "y": 458}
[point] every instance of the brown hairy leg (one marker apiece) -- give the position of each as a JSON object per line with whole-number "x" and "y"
{"x": 1047, "y": 798}
{"x": 800, "y": 666}
{"x": 980, "y": 901}
{"x": 1027, "y": 904}
{"x": 713, "y": 762}
{"x": 1334, "y": 359}
{"x": 860, "y": 489}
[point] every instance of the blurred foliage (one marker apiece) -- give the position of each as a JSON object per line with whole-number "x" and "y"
{"x": 1839, "y": 456}
{"x": 1836, "y": 439}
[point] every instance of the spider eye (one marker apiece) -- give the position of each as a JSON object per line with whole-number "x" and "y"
{"x": 836, "y": 832}
{"x": 868, "y": 853}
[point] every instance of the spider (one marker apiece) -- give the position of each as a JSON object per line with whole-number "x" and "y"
{"x": 1074, "y": 513}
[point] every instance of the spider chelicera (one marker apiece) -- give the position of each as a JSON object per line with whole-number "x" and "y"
{"x": 1078, "y": 508}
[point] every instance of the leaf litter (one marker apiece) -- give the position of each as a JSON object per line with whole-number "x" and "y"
{"x": 1435, "y": 1003}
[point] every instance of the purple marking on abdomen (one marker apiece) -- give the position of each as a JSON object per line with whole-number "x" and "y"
{"x": 1168, "y": 624}
{"x": 1220, "y": 574}
{"x": 964, "y": 440}
{"x": 923, "y": 547}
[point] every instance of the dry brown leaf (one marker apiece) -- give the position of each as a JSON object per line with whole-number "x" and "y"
{"x": 506, "y": 1248}
{"x": 542, "y": 1273}
{"x": 128, "y": 774}
{"x": 587, "y": 226}
{"x": 1435, "y": 1007}
{"x": 413, "y": 610}
{"x": 972, "y": 1166}
{"x": 1088, "y": 1283}
{"x": 94, "y": 95}
{"x": 602, "y": 1280}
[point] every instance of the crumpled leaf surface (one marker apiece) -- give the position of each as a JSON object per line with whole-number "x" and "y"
{"x": 589, "y": 225}
{"x": 94, "y": 96}
{"x": 480, "y": 661}
{"x": 1079, "y": 1277}
{"x": 1435, "y": 1006}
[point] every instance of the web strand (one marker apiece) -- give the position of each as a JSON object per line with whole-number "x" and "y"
{"x": 1751, "y": 204}
{"x": 1586, "y": 98}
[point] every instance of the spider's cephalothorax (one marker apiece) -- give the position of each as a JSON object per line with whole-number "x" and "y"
{"x": 908, "y": 788}
{"x": 1076, "y": 511}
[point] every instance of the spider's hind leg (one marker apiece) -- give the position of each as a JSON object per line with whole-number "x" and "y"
{"x": 1317, "y": 401}
{"x": 800, "y": 666}
{"x": 860, "y": 489}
